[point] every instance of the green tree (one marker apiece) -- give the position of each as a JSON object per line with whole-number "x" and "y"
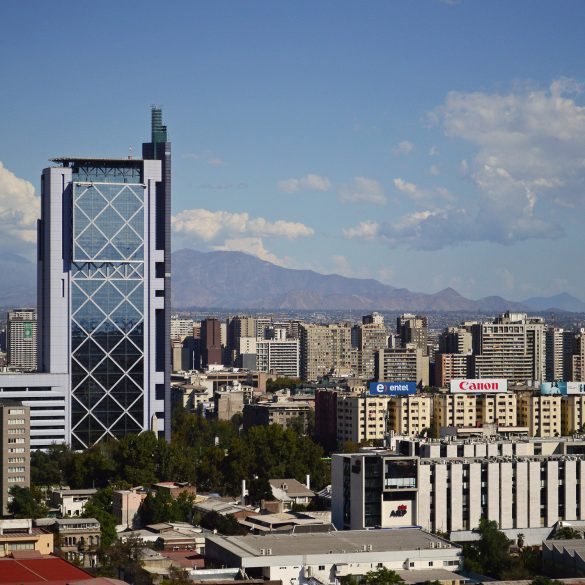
{"x": 177, "y": 576}
{"x": 260, "y": 490}
{"x": 226, "y": 525}
{"x": 542, "y": 580}
{"x": 24, "y": 504}
{"x": 44, "y": 469}
{"x": 100, "y": 506}
{"x": 282, "y": 382}
{"x": 490, "y": 555}
{"x": 382, "y": 576}
{"x": 567, "y": 533}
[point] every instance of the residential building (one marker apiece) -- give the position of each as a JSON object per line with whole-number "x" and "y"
{"x": 228, "y": 401}
{"x": 291, "y": 492}
{"x": 175, "y": 488}
{"x": 405, "y": 364}
{"x": 103, "y": 298}
{"x": 369, "y": 338}
{"x": 498, "y": 408}
{"x": 71, "y": 502}
{"x": 21, "y": 339}
{"x": 126, "y": 506}
{"x": 326, "y": 557}
{"x": 540, "y": 413}
{"x": 454, "y": 410}
{"x": 558, "y": 353}
{"x": 20, "y": 535}
{"x": 181, "y": 328}
{"x": 413, "y": 329}
{"x": 281, "y": 413}
{"x": 361, "y": 418}
{"x": 572, "y": 414}
{"x": 456, "y": 340}
{"x": 575, "y": 370}
{"x": 410, "y": 415}
{"x": 78, "y": 539}
{"x": 15, "y": 452}
{"x": 325, "y": 348}
{"x": 448, "y": 486}
{"x": 279, "y": 356}
{"x": 373, "y": 318}
{"x": 513, "y": 347}
{"x": 450, "y": 366}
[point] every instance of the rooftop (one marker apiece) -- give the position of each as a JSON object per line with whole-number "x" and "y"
{"x": 342, "y": 542}
{"x": 35, "y": 571}
{"x": 292, "y": 487}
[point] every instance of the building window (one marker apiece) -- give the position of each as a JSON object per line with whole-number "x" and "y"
{"x": 15, "y": 421}
{"x": 16, "y": 411}
{"x": 321, "y": 567}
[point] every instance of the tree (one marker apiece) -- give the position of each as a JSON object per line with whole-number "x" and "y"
{"x": 100, "y": 506}
{"x": 226, "y": 525}
{"x": 490, "y": 555}
{"x": 281, "y": 382}
{"x": 177, "y": 576}
{"x": 24, "y": 505}
{"x": 259, "y": 490}
{"x": 541, "y": 580}
{"x": 382, "y": 576}
{"x": 567, "y": 533}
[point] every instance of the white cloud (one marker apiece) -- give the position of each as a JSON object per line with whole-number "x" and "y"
{"x": 365, "y": 190}
{"x": 253, "y": 246}
{"x": 434, "y": 151}
{"x": 405, "y": 186}
{"x": 434, "y": 170}
{"x": 404, "y": 147}
{"x": 366, "y": 230}
{"x": 19, "y": 211}
{"x": 310, "y": 182}
{"x": 212, "y": 226}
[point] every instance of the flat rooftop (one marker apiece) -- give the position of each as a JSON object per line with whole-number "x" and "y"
{"x": 341, "y": 542}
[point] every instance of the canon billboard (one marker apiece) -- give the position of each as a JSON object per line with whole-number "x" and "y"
{"x": 481, "y": 386}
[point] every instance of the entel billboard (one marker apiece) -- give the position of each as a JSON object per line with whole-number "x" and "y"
{"x": 482, "y": 386}
{"x": 392, "y": 388}
{"x": 562, "y": 388}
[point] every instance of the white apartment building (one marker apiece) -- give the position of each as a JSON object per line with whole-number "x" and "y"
{"x": 279, "y": 356}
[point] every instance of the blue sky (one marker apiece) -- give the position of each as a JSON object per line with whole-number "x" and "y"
{"x": 424, "y": 143}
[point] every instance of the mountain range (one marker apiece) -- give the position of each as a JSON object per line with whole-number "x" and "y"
{"x": 236, "y": 280}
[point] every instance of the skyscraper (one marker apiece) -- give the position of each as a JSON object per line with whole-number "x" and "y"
{"x": 103, "y": 298}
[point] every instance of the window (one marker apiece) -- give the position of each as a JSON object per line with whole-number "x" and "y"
{"x": 17, "y": 440}
{"x": 16, "y": 460}
{"x": 16, "y": 411}
{"x": 15, "y": 421}
{"x": 16, "y": 470}
{"x": 16, "y": 479}
{"x": 15, "y": 449}
{"x": 321, "y": 567}
{"x": 15, "y": 431}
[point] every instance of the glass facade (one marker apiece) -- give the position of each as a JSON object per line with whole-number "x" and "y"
{"x": 107, "y": 303}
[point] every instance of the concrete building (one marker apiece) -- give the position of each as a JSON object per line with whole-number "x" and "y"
{"x": 326, "y": 557}
{"x": 575, "y": 369}
{"x": 454, "y": 410}
{"x": 21, "y": 339}
{"x": 71, "y": 502}
{"x": 572, "y": 414}
{"x": 279, "y": 356}
{"x": 410, "y": 415}
{"x": 450, "y": 366}
{"x": 405, "y": 364}
{"x": 15, "y": 452}
{"x": 21, "y": 535}
{"x": 126, "y": 506}
{"x": 456, "y": 340}
{"x": 374, "y": 318}
{"x": 325, "y": 348}
{"x": 361, "y": 418}
{"x": 228, "y": 401}
{"x": 103, "y": 298}
{"x": 413, "y": 329}
{"x": 559, "y": 346}
{"x": 512, "y": 347}
{"x": 281, "y": 413}
{"x": 541, "y": 414}
{"x": 290, "y": 492}
{"x": 449, "y": 485}
{"x": 368, "y": 339}
{"x": 210, "y": 342}
{"x": 181, "y": 328}
{"x": 499, "y": 408}
{"x": 78, "y": 539}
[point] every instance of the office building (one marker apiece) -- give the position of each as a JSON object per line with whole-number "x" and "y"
{"x": 540, "y": 413}
{"x": 280, "y": 356}
{"x": 361, "y": 418}
{"x": 513, "y": 347}
{"x": 326, "y": 348}
{"x": 103, "y": 298}
{"x": 405, "y": 364}
{"x": 327, "y": 557}
{"x": 413, "y": 329}
{"x": 448, "y": 486}
{"x": 21, "y": 338}
{"x": 210, "y": 342}
{"x": 410, "y": 415}
{"x": 15, "y": 453}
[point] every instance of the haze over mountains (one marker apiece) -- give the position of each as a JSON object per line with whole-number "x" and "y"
{"x": 236, "y": 280}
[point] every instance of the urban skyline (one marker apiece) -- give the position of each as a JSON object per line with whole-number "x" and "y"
{"x": 410, "y": 142}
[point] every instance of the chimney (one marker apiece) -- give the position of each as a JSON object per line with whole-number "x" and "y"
{"x": 308, "y": 481}
{"x": 244, "y": 492}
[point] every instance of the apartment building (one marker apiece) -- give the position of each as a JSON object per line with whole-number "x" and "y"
{"x": 280, "y": 356}
{"x": 281, "y": 412}
{"x": 499, "y": 409}
{"x": 454, "y": 410}
{"x": 325, "y": 348}
{"x": 361, "y": 418}
{"x": 450, "y": 366}
{"x": 401, "y": 365}
{"x": 21, "y": 339}
{"x": 572, "y": 414}
{"x": 540, "y": 413}
{"x": 413, "y": 329}
{"x": 368, "y": 338}
{"x": 410, "y": 415}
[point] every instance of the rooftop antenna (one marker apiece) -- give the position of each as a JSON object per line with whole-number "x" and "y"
{"x": 129, "y": 153}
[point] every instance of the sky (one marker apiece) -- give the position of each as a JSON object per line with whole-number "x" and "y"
{"x": 424, "y": 143}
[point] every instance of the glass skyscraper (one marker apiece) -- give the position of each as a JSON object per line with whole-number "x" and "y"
{"x": 104, "y": 289}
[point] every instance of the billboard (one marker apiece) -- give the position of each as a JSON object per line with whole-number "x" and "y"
{"x": 480, "y": 386}
{"x": 392, "y": 388}
{"x": 562, "y": 388}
